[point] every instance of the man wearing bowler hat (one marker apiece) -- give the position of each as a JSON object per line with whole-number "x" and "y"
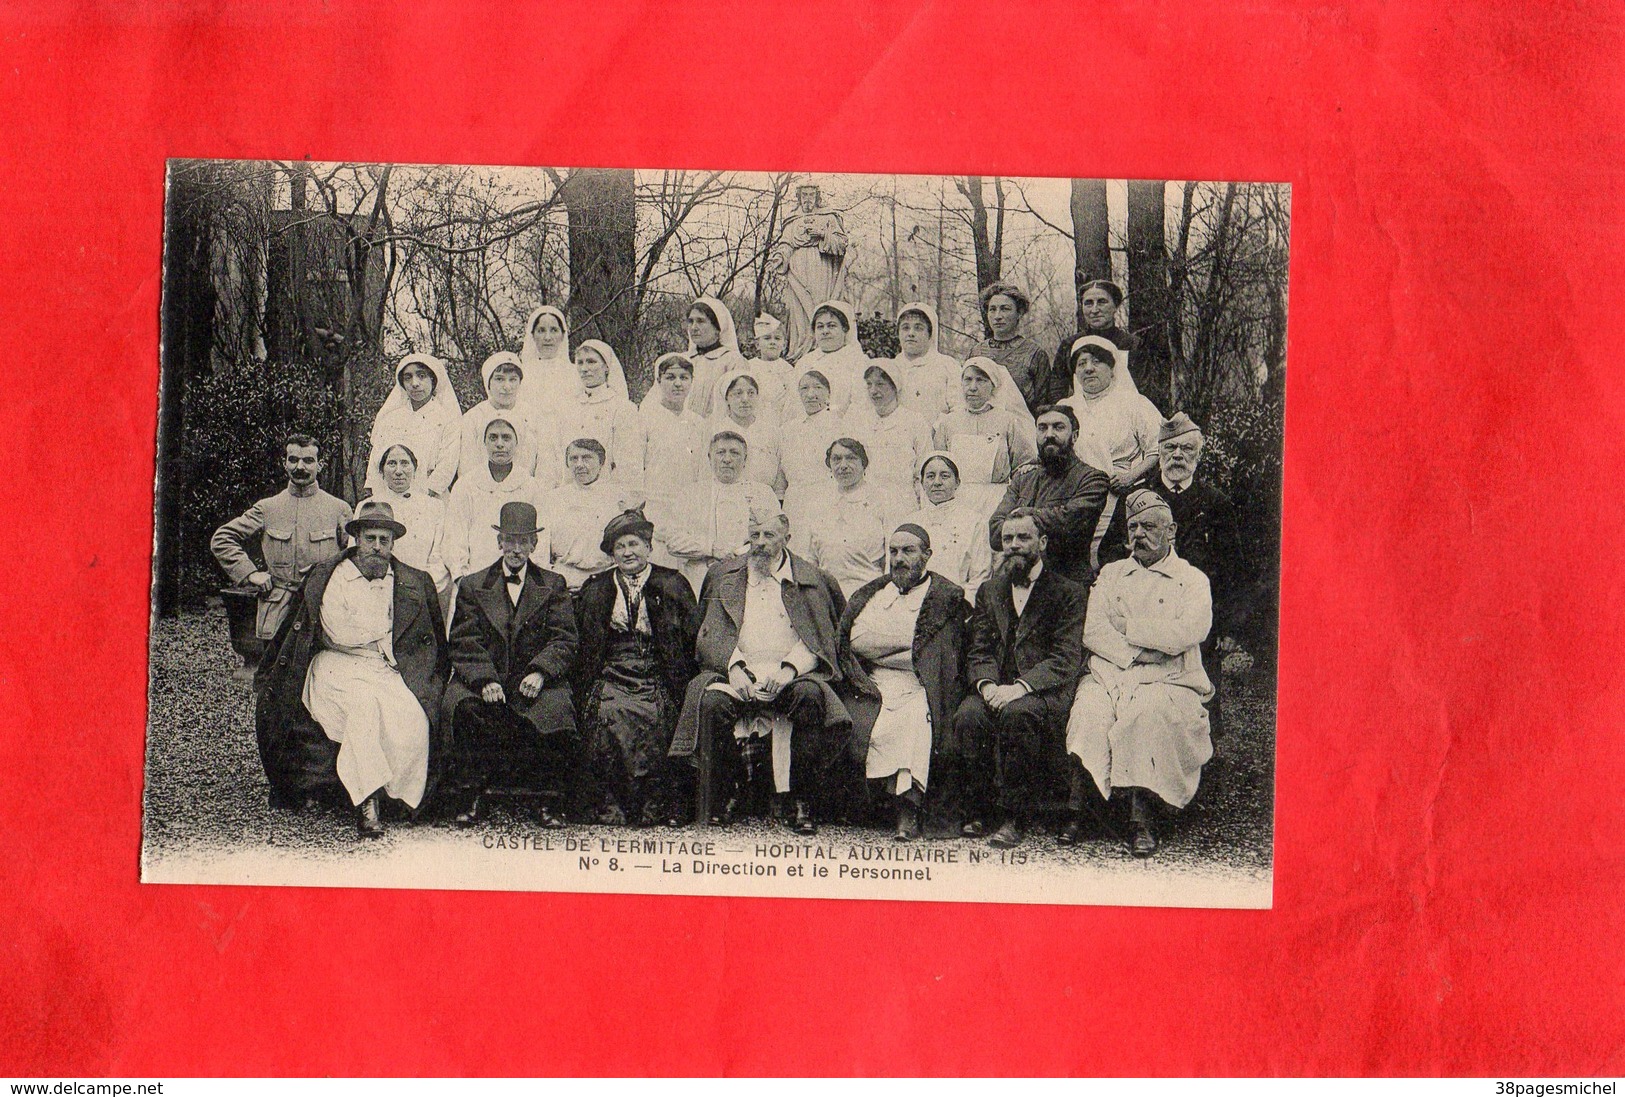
{"x": 350, "y": 689}
{"x": 513, "y": 642}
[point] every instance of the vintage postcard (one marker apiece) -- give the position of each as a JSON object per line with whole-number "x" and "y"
{"x": 718, "y": 533}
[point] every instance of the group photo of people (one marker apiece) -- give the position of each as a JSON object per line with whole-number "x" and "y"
{"x": 752, "y": 518}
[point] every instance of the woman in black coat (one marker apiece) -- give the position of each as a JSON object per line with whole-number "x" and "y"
{"x": 637, "y": 623}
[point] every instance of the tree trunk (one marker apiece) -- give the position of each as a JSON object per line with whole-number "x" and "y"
{"x": 603, "y": 223}
{"x": 1091, "y": 248}
{"x": 1149, "y": 305}
{"x": 987, "y": 259}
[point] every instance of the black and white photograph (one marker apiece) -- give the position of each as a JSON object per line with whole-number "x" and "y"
{"x": 718, "y": 533}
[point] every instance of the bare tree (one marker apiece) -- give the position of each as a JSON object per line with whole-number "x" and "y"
{"x": 1091, "y": 245}
{"x": 1149, "y": 302}
{"x": 989, "y": 247}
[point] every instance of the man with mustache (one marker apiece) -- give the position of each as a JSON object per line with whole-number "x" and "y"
{"x": 1022, "y": 662}
{"x": 348, "y": 694}
{"x": 1138, "y": 726}
{"x": 298, "y": 527}
{"x": 1063, "y": 495}
{"x": 767, "y": 655}
{"x": 902, "y": 640}
{"x": 513, "y": 645}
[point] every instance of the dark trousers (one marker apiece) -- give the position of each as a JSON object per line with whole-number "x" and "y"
{"x": 494, "y": 748}
{"x": 812, "y": 750}
{"x": 1012, "y": 755}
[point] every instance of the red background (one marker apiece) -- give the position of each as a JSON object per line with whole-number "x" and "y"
{"x": 1450, "y": 843}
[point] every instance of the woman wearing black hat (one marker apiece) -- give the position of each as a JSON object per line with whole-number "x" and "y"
{"x": 637, "y": 624}
{"x": 1098, "y": 303}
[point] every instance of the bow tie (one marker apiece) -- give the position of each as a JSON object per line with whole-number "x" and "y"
{"x": 513, "y": 577}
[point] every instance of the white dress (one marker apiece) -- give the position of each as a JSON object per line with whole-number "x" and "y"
{"x": 672, "y": 449}
{"x": 848, "y": 535}
{"x": 896, "y": 444}
{"x": 801, "y": 455}
{"x": 610, "y": 420}
{"x": 883, "y": 637}
{"x": 575, "y": 517}
{"x": 960, "y": 549}
{"x": 359, "y": 699}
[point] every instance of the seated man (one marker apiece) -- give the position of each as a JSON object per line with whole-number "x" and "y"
{"x": 352, "y": 685}
{"x": 902, "y": 640}
{"x": 766, "y": 647}
{"x": 1138, "y": 724}
{"x": 636, "y": 622}
{"x": 1023, "y": 664}
{"x": 513, "y": 642}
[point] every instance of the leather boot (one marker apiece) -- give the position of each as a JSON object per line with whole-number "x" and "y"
{"x": 367, "y": 821}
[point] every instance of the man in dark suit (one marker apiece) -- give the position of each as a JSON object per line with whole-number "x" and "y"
{"x": 1023, "y": 662}
{"x": 767, "y": 649}
{"x": 366, "y": 647}
{"x": 513, "y": 642}
{"x": 1061, "y": 493}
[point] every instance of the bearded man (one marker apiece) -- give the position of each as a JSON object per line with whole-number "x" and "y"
{"x": 766, "y": 651}
{"x": 1022, "y": 663}
{"x": 902, "y": 640}
{"x": 349, "y": 692}
{"x": 1063, "y": 495}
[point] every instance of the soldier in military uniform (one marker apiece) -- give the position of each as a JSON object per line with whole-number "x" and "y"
{"x": 299, "y": 527}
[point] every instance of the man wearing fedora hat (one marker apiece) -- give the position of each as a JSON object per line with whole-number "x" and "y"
{"x": 513, "y": 643}
{"x": 349, "y": 692}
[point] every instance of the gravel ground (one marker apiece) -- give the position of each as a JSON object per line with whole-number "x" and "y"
{"x": 205, "y": 795}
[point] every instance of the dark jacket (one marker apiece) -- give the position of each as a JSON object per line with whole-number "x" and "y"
{"x": 492, "y": 640}
{"x": 1067, "y": 506}
{"x": 1043, "y": 647}
{"x": 939, "y": 656}
{"x": 815, "y": 605}
{"x": 673, "y": 621}
{"x": 298, "y": 757}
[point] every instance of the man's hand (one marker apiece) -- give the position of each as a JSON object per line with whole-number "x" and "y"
{"x": 774, "y": 682}
{"x": 997, "y": 697}
{"x": 261, "y": 581}
{"x": 492, "y": 694}
{"x": 739, "y": 678}
{"x": 1150, "y": 657}
{"x": 531, "y": 684}
{"x": 1121, "y": 481}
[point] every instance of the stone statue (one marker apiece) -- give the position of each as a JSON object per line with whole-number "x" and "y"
{"x": 812, "y": 257}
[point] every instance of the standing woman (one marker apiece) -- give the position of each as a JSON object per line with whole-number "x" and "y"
{"x": 927, "y": 379}
{"x": 850, "y": 520}
{"x": 550, "y": 376}
{"x": 740, "y": 409}
{"x": 601, "y": 410}
{"x": 1098, "y": 302}
{"x": 1004, "y": 306}
{"x": 990, "y": 435}
{"x": 421, "y": 412}
{"x": 836, "y": 354}
{"x": 713, "y": 348}
{"x": 637, "y": 624}
{"x": 475, "y": 507}
{"x": 958, "y": 528}
{"x": 422, "y": 514}
{"x": 802, "y": 449}
{"x": 671, "y": 439}
{"x": 505, "y": 389}
{"x": 897, "y": 438}
{"x": 1117, "y": 428}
